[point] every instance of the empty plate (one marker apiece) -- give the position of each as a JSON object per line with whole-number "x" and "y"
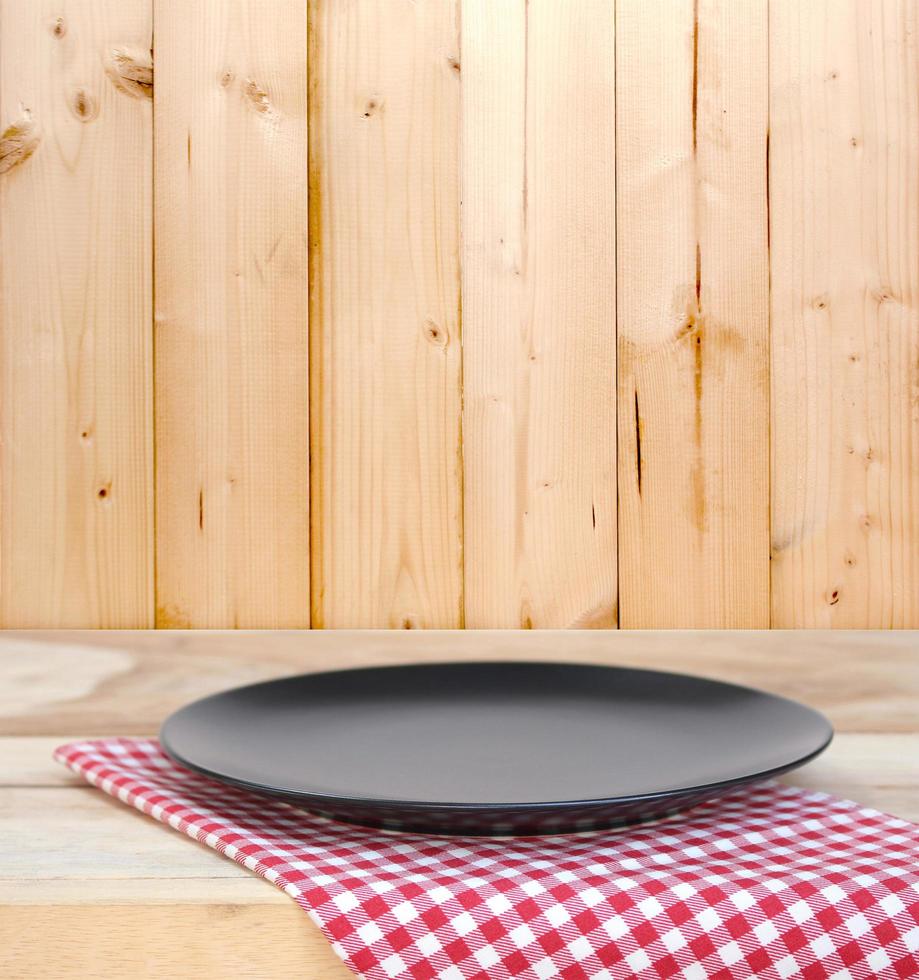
{"x": 493, "y": 748}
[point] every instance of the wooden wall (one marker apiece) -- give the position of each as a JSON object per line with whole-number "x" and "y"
{"x": 433, "y": 313}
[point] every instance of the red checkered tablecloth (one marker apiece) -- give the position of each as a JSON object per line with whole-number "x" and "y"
{"x": 771, "y": 882}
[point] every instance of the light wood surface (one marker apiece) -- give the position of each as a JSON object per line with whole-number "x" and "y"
{"x": 539, "y": 314}
{"x": 175, "y": 940}
{"x": 76, "y": 479}
{"x": 232, "y": 392}
{"x": 90, "y": 887}
{"x": 126, "y": 682}
{"x": 571, "y": 269}
{"x": 845, "y": 281}
{"x": 692, "y": 94}
{"x": 385, "y": 328}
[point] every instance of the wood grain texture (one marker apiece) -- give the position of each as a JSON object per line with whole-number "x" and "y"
{"x": 64, "y": 891}
{"x": 28, "y": 761}
{"x": 76, "y": 481}
{"x": 107, "y": 841}
{"x": 114, "y": 682}
{"x": 879, "y": 769}
{"x": 876, "y": 770}
{"x": 173, "y": 942}
{"x": 232, "y": 391}
{"x": 692, "y": 111}
{"x": 385, "y": 335}
{"x": 845, "y": 313}
{"x": 539, "y": 296}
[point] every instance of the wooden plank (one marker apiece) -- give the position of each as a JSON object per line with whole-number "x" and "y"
{"x": 62, "y": 891}
{"x": 141, "y": 893}
{"x": 692, "y": 94}
{"x": 539, "y": 236}
{"x": 58, "y": 683}
{"x": 76, "y": 481}
{"x": 28, "y": 761}
{"x": 877, "y": 769}
{"x": 232, "y": 411}
{"x": 844, "y": 192}
{"x": 94, "y": 836}
{"x": 124, "y": 942}
{"x": 385, "y": 341}
{"x": 80, "y": 834}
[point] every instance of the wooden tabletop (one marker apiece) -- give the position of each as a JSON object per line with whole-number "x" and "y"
{"x": 89, "y": 887}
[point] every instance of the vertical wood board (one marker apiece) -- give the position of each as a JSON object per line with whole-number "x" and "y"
{"x": 232, "y": 382}
{"x": 385, "y": 327}
{"x": 76, "y": 494}
{"x": 539, "y": 294}
{"x": 845, "y": 313}
{"x": 692, "y": 111}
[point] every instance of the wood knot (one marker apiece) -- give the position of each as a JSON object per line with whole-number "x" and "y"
{"x": 58, "y": 27}
{"x": 832, "y": 597}
{"x": 104, "y": 491}
{"x": 454, "y": 63}
{"x": 226, "y": 78}
{"x": 371, "y": 107}
{"x": 131, "y": 72}
{"x": 18, "y": 142}
{"x": 258, "y": 99}
{"x": 84, "y": 106}
{"x": 599, "y": 617}
{"x": 435, "y": 334}
{"x": 690, "y": 328}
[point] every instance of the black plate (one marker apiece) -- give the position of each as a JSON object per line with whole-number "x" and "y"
{"x": 493, "y": 748}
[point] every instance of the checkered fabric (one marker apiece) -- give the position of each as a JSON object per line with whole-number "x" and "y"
{"x": 769, "y": 882}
